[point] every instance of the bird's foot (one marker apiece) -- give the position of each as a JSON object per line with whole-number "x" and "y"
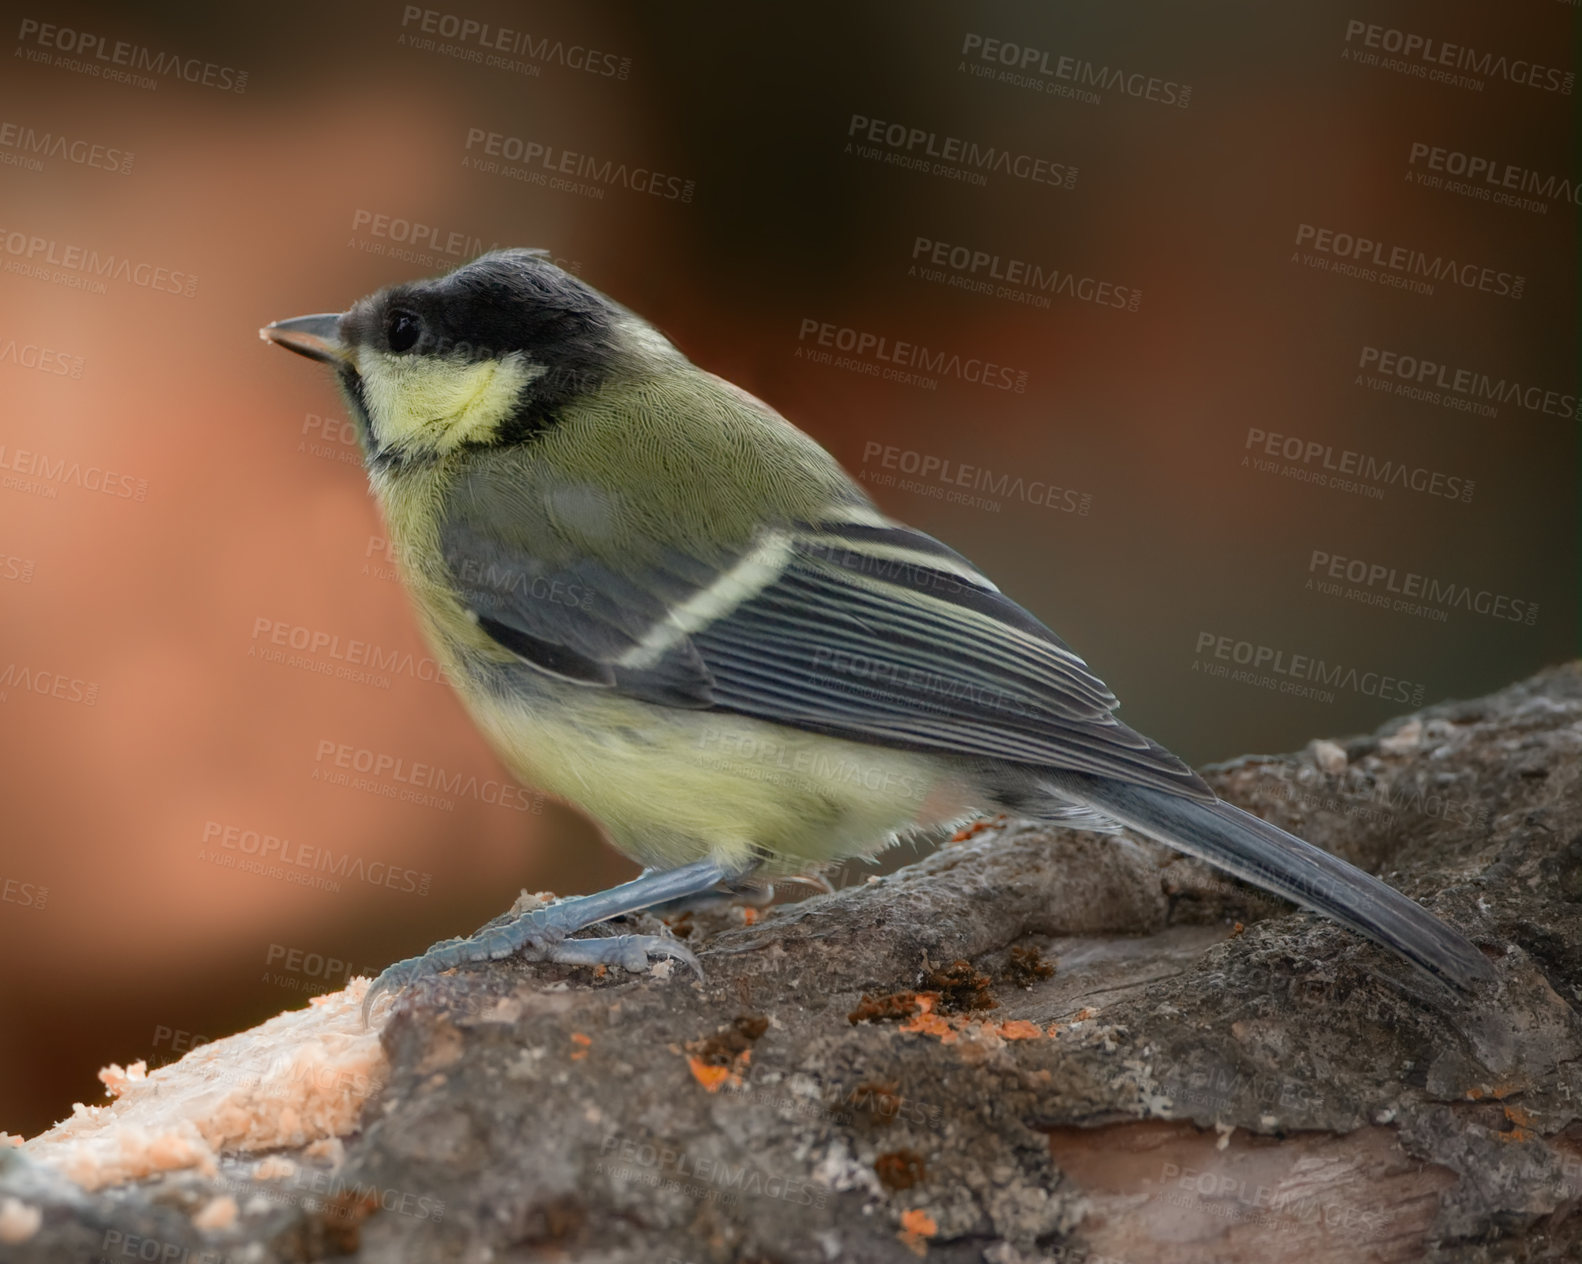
{"x": 543, "y": 934}
{"x": 533, "y": 943}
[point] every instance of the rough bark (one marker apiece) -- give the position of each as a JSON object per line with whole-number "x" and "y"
{"x": 893, "y": 1072}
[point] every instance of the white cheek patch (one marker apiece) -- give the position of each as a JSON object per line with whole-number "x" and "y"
{"x": 422, "y": 403}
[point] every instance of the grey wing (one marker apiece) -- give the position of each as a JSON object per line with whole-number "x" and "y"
{"x": 869, "y": 631}
{"x": 579, "y": 619}
{"x": 882, "y": 634}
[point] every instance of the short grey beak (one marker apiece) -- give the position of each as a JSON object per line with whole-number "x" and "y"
{"x": 317, "y": 337}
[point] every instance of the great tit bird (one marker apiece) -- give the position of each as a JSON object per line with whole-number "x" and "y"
{"x": 664, "y": 603}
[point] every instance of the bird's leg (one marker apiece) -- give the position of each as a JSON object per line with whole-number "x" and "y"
{"x": 738, "y": 890}
{"x": 541, "y": 934}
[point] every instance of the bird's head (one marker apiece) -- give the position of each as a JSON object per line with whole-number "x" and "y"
{"x": 488, "y": 354}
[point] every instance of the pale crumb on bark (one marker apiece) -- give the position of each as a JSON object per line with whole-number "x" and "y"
{"x": 1329, "y": 756}
{"x": 217, "y": 1213}
{"x": 331, "y": 1148}
{"x": 529, "y": 901}
{"x": 301, "y": 1077}
{"x": 116, "y": 1080}
{"x": 18, "y": 1221}
{"x": 508, "y": 1009}
{"x": 274, "y": 1168}
{"x": 1404, "y": 740}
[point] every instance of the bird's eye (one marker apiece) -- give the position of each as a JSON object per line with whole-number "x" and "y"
{"x": 402, "y": 330}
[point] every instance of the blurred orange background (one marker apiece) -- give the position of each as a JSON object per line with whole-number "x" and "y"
{"x": 188, "y": 845}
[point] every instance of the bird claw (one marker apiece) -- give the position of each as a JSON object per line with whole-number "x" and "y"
{"x": 632, "y": 952}
{"x": 392, "y": 978}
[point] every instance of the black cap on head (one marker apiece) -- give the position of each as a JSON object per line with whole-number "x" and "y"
{"x": 413, "y": 350}
{"x": 504, "y": 301}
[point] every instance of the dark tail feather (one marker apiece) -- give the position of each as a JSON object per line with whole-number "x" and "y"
{"x": 1267, "y": 856}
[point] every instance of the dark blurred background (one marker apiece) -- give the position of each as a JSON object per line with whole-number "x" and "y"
{"x": 214, "y": 698}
